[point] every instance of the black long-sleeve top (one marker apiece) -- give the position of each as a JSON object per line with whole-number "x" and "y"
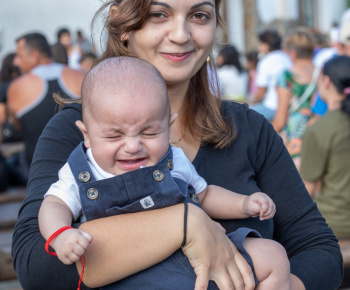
{"x": 257, "y": 161}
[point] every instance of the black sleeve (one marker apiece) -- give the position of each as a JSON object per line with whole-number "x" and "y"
{"x": 312, "y": 248}
{"x": 3, "y": 92}
{"x": 34, "y": 267}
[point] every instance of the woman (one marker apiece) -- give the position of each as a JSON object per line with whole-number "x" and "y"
{"x": 232, "y": 77}
{"x": 177, "y": 36}
{"x": 325, "y": 152}
{"x": 295, "y": 88}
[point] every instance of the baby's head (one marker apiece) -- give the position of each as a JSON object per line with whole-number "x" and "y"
{"x": 126, "y": 114}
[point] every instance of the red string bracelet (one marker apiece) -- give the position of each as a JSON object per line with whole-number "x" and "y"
{"x": 54, "y": 235}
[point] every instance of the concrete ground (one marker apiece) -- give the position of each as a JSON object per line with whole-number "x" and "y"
{"x": 10, "y": 285}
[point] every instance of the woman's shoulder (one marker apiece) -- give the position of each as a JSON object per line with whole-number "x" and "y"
{"x": 72, "y": 110}
{"x": 240, "y": 112}
{"x": 65, "y": 118}
{"x": 331, "y": 122}
{"x": 250, "y": 124}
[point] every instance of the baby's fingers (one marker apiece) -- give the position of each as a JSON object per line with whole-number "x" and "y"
{"x": 72, "y": 258}
{"x": 85, "y": 240}
{"x": 270, "y": 212}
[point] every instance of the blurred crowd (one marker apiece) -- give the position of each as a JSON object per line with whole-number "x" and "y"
{"x": 28, "y": 78}
{"x": 301, "y": 85}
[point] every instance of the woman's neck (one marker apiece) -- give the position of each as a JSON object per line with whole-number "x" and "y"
{"x": 334, "y": 102}
{"x": 177, "y": 94}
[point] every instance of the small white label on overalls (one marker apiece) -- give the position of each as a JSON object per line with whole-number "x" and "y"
{"x": 147, "y": 202}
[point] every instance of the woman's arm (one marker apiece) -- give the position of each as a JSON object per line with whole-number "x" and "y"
{"x": 144, "y": 238}
{"x": 161, "y": 233}
{"x": 281, "y": 115}
{"x": 298, "y": 225}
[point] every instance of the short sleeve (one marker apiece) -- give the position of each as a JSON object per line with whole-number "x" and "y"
{"x": 262, "y": 75}
{"x": 313, "y": 156}
{"x": 282, "y": 80}
{"x": 67, "y": 190}
{"x": 184, "y": 169}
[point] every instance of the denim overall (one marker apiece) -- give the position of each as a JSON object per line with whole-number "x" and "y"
{"x": 139, "y": 190}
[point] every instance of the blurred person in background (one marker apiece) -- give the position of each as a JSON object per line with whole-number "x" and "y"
{"x": 233, "y": 79}
{"x": 251, "y": 64}
{"x": 269, "y": 68}
{"x": 344, "y": 39}
{"x": 325, "y": 155}
{"x": 59, "y": 53}
{"x": 8, "y": 73}
{"x": 11, "y": 159}
{"x": 87, "y": 60}
{"x": 339, "y": 44}
{"x": 85, "y": 44}
{"x": 30, "y": 101}
{"x": 295, "y": 88}
{"x": 74, "y": 51}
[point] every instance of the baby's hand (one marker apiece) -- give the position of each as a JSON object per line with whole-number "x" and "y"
{"x": 259, "y": 204}
{"x": 71, "y": 245}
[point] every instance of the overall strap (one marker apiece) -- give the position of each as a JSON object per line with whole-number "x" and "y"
{"x": 79, "y": 166}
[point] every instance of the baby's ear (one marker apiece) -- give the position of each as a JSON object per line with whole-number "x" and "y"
{"x": 173, "y": 118}
{"x": 83, "y": 130}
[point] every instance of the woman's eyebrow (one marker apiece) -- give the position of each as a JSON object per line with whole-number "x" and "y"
{"x": 161, "y": 4}
{"x": 201, "y": 4}
{"x": 166, "y": 5}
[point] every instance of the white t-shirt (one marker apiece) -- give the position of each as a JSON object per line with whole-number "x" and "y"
{"x": 268, "y": 70}
{"x": 66, "y": 188}
{"x": 324, "y": 55}
{"x": 233, "y": 84}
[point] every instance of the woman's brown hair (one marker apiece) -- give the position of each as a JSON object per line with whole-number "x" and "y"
{"x": 200, "y": 113}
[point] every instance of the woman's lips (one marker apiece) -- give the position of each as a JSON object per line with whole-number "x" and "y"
{"x": 132, "y": 164}
{"x": 177, "y": 56}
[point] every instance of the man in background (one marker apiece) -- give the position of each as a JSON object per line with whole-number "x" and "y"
{"x": 30, "y": 97}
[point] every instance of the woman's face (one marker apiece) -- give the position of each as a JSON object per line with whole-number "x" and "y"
{"x": 176, "y": 38}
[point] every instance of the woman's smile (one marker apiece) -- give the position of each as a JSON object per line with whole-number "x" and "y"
{"x": 177, "y": 56}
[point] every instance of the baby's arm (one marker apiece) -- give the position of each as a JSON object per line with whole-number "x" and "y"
{"x": 71, "y": 244}
{"x": 221, "y": 203}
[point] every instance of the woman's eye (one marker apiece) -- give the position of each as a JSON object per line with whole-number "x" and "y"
{"x": 156, "y": 15}
{"x": 200, "y": 16}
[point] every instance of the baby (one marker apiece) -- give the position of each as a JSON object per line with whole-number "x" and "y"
{"x": 125, "y": 164}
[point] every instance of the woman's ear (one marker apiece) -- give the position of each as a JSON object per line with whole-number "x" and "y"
{"x": 83, "y": 130}
{"x": 125, "y": 37}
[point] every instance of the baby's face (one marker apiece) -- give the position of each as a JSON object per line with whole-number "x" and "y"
{"x": 126, "y": 134}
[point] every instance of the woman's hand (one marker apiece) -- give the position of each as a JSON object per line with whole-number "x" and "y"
{"x": 213, "y": 256}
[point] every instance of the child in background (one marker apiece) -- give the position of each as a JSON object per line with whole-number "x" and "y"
{"x": 126, "y": 128}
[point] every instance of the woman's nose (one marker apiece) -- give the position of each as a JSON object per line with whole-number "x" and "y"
{"x": 179, "y": 30}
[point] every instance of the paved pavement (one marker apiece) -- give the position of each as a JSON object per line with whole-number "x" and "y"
{"x": 10, "y": 285}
